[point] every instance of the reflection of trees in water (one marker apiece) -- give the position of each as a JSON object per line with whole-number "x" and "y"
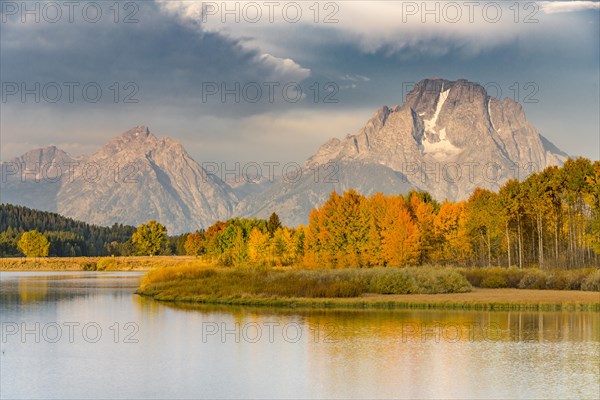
{"x": 53, "y": 288}
{"x": 450, "y": 326}
{"x": 31, "y": 291}
{"x": 146, "y": 305}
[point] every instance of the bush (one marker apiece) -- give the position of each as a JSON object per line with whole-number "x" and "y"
{"x": 494, "y": 282}
{"x": 393, "y": 281}
{"x": 441, "y": 280}
{"x": 533, "y": 279}
{"x": 592, "y": 282}
{"x": 511, "y": 277}
{"x": 89, "y": 266}
{"x": 106, "y": 264}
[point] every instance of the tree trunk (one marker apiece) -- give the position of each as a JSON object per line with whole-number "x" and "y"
{"x": 508, "y": 244}
{"x": 540, "y": 241}
{"x": 520, "y": 240}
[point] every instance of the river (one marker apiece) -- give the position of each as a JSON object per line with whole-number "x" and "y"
{"x": 87, "y": 335}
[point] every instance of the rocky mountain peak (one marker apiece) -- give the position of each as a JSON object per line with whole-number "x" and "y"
{"x": 136, "y": 133}
{"x": 134, "y": 140}
{"x": 440, "y": 123}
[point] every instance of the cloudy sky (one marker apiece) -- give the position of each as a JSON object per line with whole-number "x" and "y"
{"x": 322, "y": 70}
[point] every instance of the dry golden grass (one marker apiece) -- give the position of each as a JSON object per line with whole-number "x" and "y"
{"x": 83, "y": 263}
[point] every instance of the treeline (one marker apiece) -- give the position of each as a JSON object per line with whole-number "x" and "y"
{"x": 67, "y": 237}
{"x": 550, "y": 220}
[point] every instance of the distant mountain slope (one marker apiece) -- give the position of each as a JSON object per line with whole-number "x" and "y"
{"x": 37, "y": 188}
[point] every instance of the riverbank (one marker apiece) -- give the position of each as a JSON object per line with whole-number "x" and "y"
{"x": 407, "y": 288}
{"x": 477, "y": 299}
{"x": 132, "y": 263}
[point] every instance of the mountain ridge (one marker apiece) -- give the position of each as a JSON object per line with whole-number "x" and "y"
{"x": 444, "y": 138}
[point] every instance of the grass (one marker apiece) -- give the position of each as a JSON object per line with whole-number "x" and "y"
{"x": 412, "y": 288}
{"x": 230, "y": 282}
{"x": 94, "y": 263}
{"x": 587, "y": 279}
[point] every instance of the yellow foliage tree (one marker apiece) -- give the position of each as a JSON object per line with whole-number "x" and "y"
{"x": 258, "y": 246}
{"x": 400, "y": 235}
{"x": 34, "y": 244}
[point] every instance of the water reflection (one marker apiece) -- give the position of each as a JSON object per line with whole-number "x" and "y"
{"x": 31, "y": 291}
{"x": 422, "y": 325}
{"x": 203, "y": 351}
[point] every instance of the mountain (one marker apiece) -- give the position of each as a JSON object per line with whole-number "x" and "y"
{"x": 447, "y": 138}
{"x": 34, "y": 179}
{"x": 133, "y": 178}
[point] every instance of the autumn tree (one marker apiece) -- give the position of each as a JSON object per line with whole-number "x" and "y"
{"x": 422, "y": 209}
{"x": 149, "y": 238}
{"x": 511, "y": 202}
{"x": 485, "y": 224}
{"x": 400, "y": 235}
{"x": 34, "y": 244}
{"x": 452, "y": 241}
{"x": 258, "y": 247}
{"x": 194, "y": 244}
{"x": 592, "y": 197}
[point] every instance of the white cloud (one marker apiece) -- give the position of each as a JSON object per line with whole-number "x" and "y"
{"x": 193, "y": 13}
{"x": 555, "y": 7}
{"x": 284, "y": 69}
{"x": 405, "y": 27}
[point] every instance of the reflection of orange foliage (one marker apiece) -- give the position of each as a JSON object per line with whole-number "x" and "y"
{"x": 31, "y": 291}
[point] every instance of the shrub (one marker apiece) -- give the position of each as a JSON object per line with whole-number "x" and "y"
{"x": 592, "y": 282}
{"x": 235, "y": 283}
{"x": 494, "y": 282}
{"x": 88, "y": 266}
{"x": 513, "y": 276}
{"x": 533, "y": 279}
{"x": 394, "y": 281}
{"x": 441, "y": 280}
{"x": 106, "y": 264}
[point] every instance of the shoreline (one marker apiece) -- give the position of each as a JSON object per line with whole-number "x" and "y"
{"x": 500, "y": 299}
{"x": 477, "y": 299}
{"x": 117, "y": 263}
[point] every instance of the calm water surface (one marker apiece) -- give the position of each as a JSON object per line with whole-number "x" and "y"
{"x": 86, "y": 335}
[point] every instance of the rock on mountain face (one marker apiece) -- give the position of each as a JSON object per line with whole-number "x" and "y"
{"x": 447, "y": 138}
{"x": 133, "y": 178}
